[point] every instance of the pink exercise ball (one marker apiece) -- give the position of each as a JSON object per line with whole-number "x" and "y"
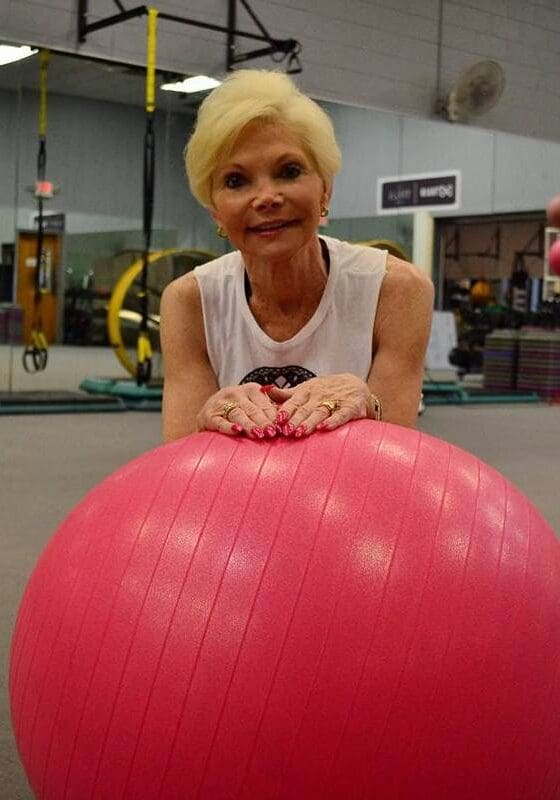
{"x": 366, "y": 613}
{"x": 554, "y": 257}
{"x": 553, "y": 211}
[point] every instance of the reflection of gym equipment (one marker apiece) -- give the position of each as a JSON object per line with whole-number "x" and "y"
{"x": 283, "y": 48}
{"x": 143, "y": 368}
{"x": 441, "y": 386}
{"x": 85, "y": 316}
{"x": 124, "y": 315}
{"x": 551, "y": 278}
{"x": 35, "y": 354}
{"x": 40, "y": 305}
{"x": 480, "y": 293}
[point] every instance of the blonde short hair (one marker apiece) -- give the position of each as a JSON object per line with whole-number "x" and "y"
{"x": 246, "y": 96}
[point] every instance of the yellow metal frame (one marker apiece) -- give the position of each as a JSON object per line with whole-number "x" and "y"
{"x": 119, "y": 293}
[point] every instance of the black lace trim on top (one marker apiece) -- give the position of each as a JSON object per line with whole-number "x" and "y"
{"x": 283, "y": 377}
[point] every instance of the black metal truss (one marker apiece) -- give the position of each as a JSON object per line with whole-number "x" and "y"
{"x": 278, "y": 49}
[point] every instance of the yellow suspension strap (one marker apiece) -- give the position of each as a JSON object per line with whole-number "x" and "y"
{"x": 143, "y": 344}
{"x": 35, "y": 354}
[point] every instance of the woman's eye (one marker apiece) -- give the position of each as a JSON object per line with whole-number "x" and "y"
{"x": 291, "y": 171}
{"x": 234, "y": 180}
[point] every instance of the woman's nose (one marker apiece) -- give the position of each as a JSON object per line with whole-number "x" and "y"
{"x": 267, "y": 195}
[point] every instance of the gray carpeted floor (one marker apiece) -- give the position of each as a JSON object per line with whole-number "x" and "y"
{"x": 49, "y": 462}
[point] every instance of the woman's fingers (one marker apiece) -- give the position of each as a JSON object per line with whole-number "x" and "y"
{"x": 263, "y": 412}
{"x": 242, "y": 409}
{"x": 254, "y": 421}
{"x": 239, "y": 422}
{"x": 336, "y": 419}
{"x": 317, "y": 417}
{"x": 276, "y": 394}
{"x": 221, "y": 425}
{"x": 310, "y": 418}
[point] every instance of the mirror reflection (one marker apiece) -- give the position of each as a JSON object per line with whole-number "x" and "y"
{"x": 89, "y": 114}
{"x": 73, "y": 144}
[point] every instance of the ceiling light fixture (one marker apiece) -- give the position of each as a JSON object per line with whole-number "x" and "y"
{"x": 200, "y": 83}
{"x": 11, "y": 53}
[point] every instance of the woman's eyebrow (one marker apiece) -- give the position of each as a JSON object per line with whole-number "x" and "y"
{"x": 228, "y": 167}
{"x": 289, "y": 155}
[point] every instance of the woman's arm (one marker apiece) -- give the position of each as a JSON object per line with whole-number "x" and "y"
{"x": 192, "y": 400}
{"x": 400, "y": 340}
{"x": 189, "y": 378}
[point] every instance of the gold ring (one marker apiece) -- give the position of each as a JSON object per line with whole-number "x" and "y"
{"x": 330, "y": 405}
{"x": 227, "y": 409}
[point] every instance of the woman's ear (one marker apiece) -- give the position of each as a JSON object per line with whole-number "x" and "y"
{"x": 327, "y": 192}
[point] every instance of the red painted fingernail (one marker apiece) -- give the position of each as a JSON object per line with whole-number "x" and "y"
{"x": 321, "y": 426}
{"x": 258, "y": 432}
{"x": 282, "y": 418}
{"x": 270, "y": 431}
{"x": 301, "y": 430}
{"x": 266, "y": 388}
{"x": 288, "y": 429}
{"x": 236, "y": 428}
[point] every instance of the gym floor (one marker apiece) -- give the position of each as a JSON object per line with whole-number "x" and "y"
{"x": 49, "y": 462}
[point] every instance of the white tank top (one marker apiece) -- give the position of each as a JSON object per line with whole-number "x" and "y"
{"x": 337, "y": 338}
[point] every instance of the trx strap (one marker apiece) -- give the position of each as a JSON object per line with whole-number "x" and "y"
{"x": 35, "y": 354}
{"x": 143, "y": 345}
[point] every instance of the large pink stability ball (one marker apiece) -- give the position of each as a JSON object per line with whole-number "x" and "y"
{"x": 368, "y": 613}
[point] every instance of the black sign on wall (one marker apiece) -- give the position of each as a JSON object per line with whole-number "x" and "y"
{"x": 52, "y": 223}
{"x": 409, "y": 193}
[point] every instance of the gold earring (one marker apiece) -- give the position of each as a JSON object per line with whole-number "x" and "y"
{"x": 324, "y": 211}
{"x": 221, "y": 232}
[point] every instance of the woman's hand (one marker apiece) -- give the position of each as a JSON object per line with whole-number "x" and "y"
{"x": 320, "y": 404}
{"x": 239, "y": 409}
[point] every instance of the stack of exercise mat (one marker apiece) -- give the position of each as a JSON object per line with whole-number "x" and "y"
{"x": 524, "y": 360}
{"x": 538, "y": 366}
{"x": 501, "y": 348}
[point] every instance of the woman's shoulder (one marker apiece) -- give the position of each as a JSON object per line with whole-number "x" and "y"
{"x": 220, "y": 266}
{"x": 182, "y": 293}
{"x": 403, "y": 274}
{"x": 352, "y": 256}
{"x": 185, "y": 292}
{"x": 405, "y": 285}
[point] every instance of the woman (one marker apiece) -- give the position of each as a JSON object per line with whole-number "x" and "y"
{"x": 291, "y": 333}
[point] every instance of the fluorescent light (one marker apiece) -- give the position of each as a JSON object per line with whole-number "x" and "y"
{"x": 200, "y": 83}
{"x": 9, "y": 53}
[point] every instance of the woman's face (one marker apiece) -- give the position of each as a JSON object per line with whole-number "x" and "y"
{"x": 267, "y": 194}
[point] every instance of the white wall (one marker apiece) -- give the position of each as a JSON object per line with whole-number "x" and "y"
{"x": 94, "y": 151}
{"x": 500, "y": 172}
{"x": 8, "y": 152}
{"x": 373, "y": 53}
{"x": 94, "y": 154}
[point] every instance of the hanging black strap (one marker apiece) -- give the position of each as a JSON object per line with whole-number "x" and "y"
{"x": 35, "y": 354}
{"x": 149, "y": 181}
{"x": 144, "y": 348}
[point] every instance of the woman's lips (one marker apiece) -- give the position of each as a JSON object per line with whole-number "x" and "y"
{"x": 271, "y": 228}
